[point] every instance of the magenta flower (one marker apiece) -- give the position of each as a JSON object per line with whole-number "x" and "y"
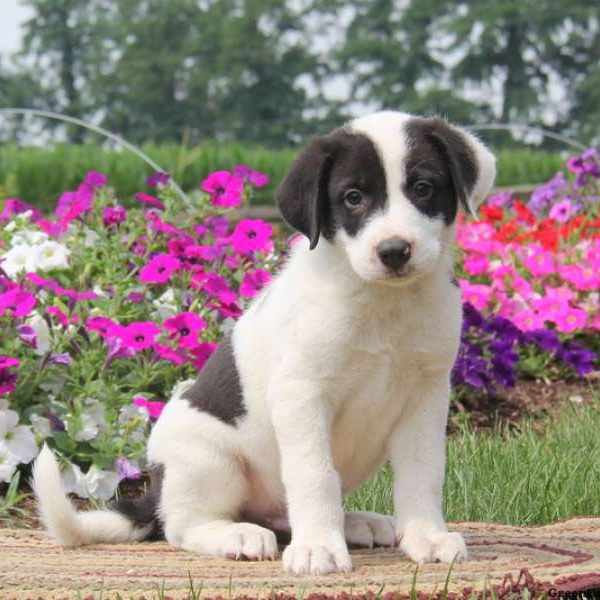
{"x": 570, "y": 320}
{"x": 253, "y": 282}
{"x": 153, "y": 407}
{"x": 61, "y": 317}
{"x": 167, "y": 353}
{"x": 102, "y": 325}
{"x": 6, "y": 362}
{"x": 50, "y": 284}
{"x": 562, "y": 211}
{"x": 216, "y": 286}
{"x": 18, "y": 301}
{"x": 159, "y": 269}
{"x": 225, "y": 189}
{"x": 203, "y": 252}
{"x": 158, "y": 179}
{"x": 149, "y": 200}
{"x": 14, "y": 206}
{"x": 202, "y": 353}
{"x": 95, "y": 180}
{"x": 255, "y": 178}
{"x": 113, "y": 215}
{"x": 476, "y": 294}
{"x": 218, "y": 225}
{"x": 27, "y": 335}
{"x": 185, "y": 327}
{"x": 140, "y": 335}
{"x": 72, "y": 205}
{"x": 251, "y": 235}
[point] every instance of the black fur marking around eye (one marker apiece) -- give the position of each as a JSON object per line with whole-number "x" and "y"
{"x": 442, "y": 156}
{"x": 356, "y": 165}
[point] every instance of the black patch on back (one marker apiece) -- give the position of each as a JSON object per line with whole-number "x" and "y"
{"x": 311, "y": 196}
{"x": 442, "y": 156}
{"x": 142, "y": 511}
{"x": 217, "y": 389}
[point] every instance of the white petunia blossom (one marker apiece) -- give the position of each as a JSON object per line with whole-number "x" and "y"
{"x": 29, "y": 238}
{"x": 41, "y": 426}
{"x": 8, "y": 463}
{"x": 52, "y": 255}
{"x": 91, "y": 421}
{"x": 165, "y": 305}
{"x": 19, "y": 258}
{"x": 17, "y": 442}
{"x": 96, "y": 483}
{"x": 90, "y": 237}
{"x": 43, "y": 337}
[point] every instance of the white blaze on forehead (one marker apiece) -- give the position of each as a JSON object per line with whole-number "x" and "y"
{"x": 386, "y": 130}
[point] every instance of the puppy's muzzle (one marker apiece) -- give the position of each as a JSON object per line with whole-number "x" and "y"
{"x": 394, "y": 253}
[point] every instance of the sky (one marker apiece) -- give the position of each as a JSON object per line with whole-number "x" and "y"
{"x": 12, "y": 14}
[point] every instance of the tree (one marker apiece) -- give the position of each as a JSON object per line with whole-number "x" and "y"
{"x": 524, "y": 47}
{"x": 65, "y": 38}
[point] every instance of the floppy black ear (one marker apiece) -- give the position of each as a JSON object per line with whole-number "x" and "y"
{"x": 302, "y": 195}
{"x": 472, "y": 166}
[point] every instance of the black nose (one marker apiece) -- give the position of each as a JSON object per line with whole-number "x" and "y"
{"x": 394, "y": 253}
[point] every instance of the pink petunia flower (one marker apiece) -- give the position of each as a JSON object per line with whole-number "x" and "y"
{"x": 204, "y": 252}
{"x": 139, "y": 335}
{"x": 185, "y": 327}
{"x": 14, "y": 206}
{"x": 102, "y": 325}
{"x": 570, "y": 320}
{"x": 251, "y": 235}
{"x": 581, "y": 278}
{"x": 476, "y": 264}
{"x": 563, "y": 211}
{"x": 476, "y": 294}
{"x": 149, "y": 200}
{"x": 255, "y": 178}
{"x": 114, "y": 215}
{"x": 158, "y": 179}
{"x": 61, "y": 317}
{"x": 527, "y": 320}
{"x": 253, "y": 282}
{"x": 202, "y": 353}
{"x": 538, "y": 261}
{"x": 153, "y": 407}
{"x": 95, "y": 180}
{"x": 159, "y": 269}
{"x": 225, "y": 189}
{"x": 216, "y": 286}
{"x": 18, "y": 301}
{"x": 6, "y": 362}
{"x": 167, "y": 353}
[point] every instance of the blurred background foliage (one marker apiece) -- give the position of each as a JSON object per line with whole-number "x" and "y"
{"x": 210, "y": 83}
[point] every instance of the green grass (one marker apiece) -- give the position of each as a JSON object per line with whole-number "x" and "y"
{"x": 39, "y": 175}
{"x": 531, "y": 476}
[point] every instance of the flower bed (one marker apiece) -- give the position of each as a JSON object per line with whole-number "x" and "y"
{"x": 104, "y": 309}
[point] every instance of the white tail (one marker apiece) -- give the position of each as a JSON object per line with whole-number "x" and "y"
{"x": 67, "y": 526}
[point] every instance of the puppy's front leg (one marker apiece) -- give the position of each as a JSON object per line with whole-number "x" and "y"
{"x": 312, "y": 485}
{"x": 417, "y": 453}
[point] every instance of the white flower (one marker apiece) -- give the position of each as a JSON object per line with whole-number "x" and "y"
{"x": 8, "y": 463}
{"x": 17, "y": 440}
{"x": 41, "y": 426}
{"x": 52, "y": 255}
{"x": 43, "y": 338}
{"x": 134, "y": 422}
{"x": 29, "y": 238}
{"x": 165, "y": 305}
{"x": 92, "y": 419}
{"x": 96, "y": 483}
{"x": 91, "y": 237}
{"x": 19, "y": 258}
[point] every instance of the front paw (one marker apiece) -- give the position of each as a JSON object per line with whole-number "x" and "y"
{"x": 441, "y": 546}
{"x": 316, "y": 557}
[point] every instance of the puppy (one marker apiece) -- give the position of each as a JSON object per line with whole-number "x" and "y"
{"x": 341, "y": 364}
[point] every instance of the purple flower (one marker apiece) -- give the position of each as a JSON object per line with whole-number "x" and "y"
{"x": 158, "y": 179}
{"x": 127, "y": 470}
{"x": 580, "y": 359}
{"x": 545, "y": 339}
{"x": 14, "y": 206}
{"x": 562, "y": 211}
{"x": 61, "y": 359}
{"x": 500, "y": 200}
{"x": 27, "y": 334}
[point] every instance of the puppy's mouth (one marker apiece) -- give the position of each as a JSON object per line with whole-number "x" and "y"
{"x": 399, "y": 277}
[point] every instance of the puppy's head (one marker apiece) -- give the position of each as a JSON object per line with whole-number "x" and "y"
{"x": 386, "y": 189}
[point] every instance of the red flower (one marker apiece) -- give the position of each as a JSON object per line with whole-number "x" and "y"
{"x": 492, "y": 213}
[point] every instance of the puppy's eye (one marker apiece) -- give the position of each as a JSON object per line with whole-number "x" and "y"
{"x": 423, "y": 189}
{"x": 353, "y": 198}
